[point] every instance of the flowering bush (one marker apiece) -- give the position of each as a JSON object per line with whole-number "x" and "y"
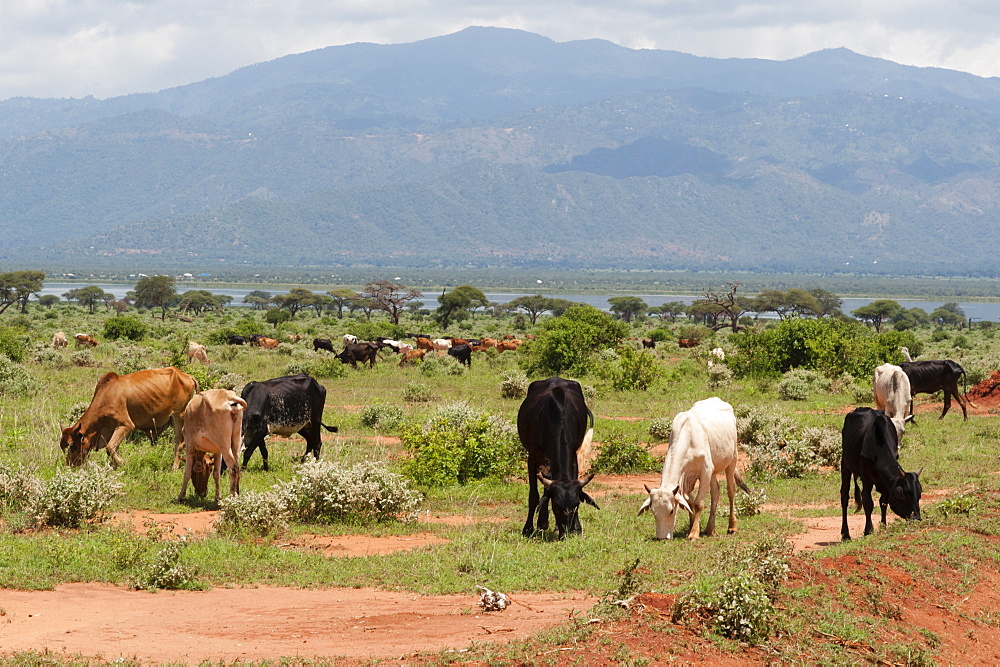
{"x": 75, "y": 496}
{"x": 327, "y": 492}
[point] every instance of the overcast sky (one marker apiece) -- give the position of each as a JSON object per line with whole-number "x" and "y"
{"x": 74, "y": 48}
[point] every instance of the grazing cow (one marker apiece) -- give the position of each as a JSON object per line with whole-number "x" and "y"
{"x": 294, "y": 338}
{"x": 59, "y": 340}
{"x": 928, "y": 377}
{"x": 146, "y": 400}
{"x": 702, "y": 445}
{"x": 424, "y": 343}
{"x": 871, "y": 455}
{"x": 322, "y": 344}
{"x": 213, "y": 424}
{"x": 462, "y": 352}
{"x": 891, "y": 388}
{"x": 410, "y": 356}
{"x": 505, "y": 345}
{"x": 457, "y": 341}
{"x": 267, "y": 343}
{"x": 688, "y": 342}
{"x": 552, "y": 423}
{"x": 84, "y": 340}
{"x": 350, "y": 339}
{"x": 488, "y": 342}
{"x": 236, "y": 340}
{"x": 440, "y": 344}
{"x": 197, "y": 351}
{"x": 363, "y": 352}
{"x": 285, "y": 405}
{"x": 649, "y": 343}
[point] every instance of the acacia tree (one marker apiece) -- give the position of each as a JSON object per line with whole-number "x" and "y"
{"x": 88, "y": 296}
{"x": 155, "y": 292}
{"x": 879, "y": 311}
{"x": 389, "y": 297}
{"x": 18, "y": 286}
{"x": 342, "y": 297}
{"x": 627, "y": 307}
{"x": 296, "y": 299}
{"x": 533, "y": 305}
{"x": 730, "y": 306}
{"x": 258, "y": 298}
{"x": 463, "y": 297}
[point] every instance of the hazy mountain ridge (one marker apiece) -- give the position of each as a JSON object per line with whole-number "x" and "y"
{"x": 499, "y": 147}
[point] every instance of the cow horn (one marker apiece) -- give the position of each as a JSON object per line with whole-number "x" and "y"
{"x": 920, "y": 471}
{"x": 546, "y": 482}
{"x": 587, "y": 481}
{"x": 646, "y": 486}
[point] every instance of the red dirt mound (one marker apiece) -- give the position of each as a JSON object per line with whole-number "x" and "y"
{"x": 986, "y": 394}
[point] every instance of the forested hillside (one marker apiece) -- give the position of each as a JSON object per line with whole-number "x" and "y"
{"x": 500, "y": 148}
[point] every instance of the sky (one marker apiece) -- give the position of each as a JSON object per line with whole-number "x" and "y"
{"x": 104, "y": 48}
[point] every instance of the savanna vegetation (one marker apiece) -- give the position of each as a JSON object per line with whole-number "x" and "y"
{"x": 437, "y": 437}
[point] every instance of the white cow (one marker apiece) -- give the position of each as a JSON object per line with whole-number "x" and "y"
{"x": 197, "y": 351}
{"x": 59, "y": 340}
{"x": 350, "y": 339}
{"x": 441, "y": 344}
{"x": 702, "y": 444}
{"x": 213, "y": 424}
{"x": 891, "y": 387}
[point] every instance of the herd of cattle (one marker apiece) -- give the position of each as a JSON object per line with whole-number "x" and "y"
{"x": 554, "y": 424}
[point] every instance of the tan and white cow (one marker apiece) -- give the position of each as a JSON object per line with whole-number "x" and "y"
{"x": 213, "y": 424}
{"x": 59, "y": 340}
{"x": 196, "y": 351}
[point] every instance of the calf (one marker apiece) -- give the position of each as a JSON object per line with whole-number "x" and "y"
{"x": 702, "y": 445}
{"x": 462, "y": 352}
{"x": 322, "y": 344}
{"x": 871, "y": 455}
{"x": 411, "y": 356}
{"x": 363, "y": 352}
{"x": 285, "y": 405}
{"x": 891, "y": 388}
{"x": 649, "y": 343}
{"x": 928, "y": 377}
{"x": 552, "y": 424}
{"x": 84, "y": 340}
{"x": 213, "y": 425}
{"x": 268, "y": 343}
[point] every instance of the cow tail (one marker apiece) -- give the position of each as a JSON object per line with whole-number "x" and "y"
{"x": 740, "y": 483}
{"x": 331, "y": 429}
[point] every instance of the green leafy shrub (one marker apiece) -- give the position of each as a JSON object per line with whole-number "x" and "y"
{"x": 14, "y": 344}
{"x": 46, "y": 356}
{"x": 165, "y": 571}
{"x": 382, "y": 417}
{"x": 635, "y": 370}
{"x": 962, "y": 503}
{"x": 130, "y": 358}
{"x": 329, "y": 492}
{"x": 318, "y": 367}
{"x": 513, "y": 384}
{"x": 125, "y": 327}
{"x": 75, "y": 496}
{"x": 458, "y": 444}
{"x": 15, "y": 380}
{"x": 441, "y": 365}
{"x": 619, "y": 455}
{"x": 569, "y": 343}
{"x": 797, "y": 384}
{"x": 253, "y": 512}
{"x": 417, "y": 392}
{"x": 659, "y": 428}
{"x": 83, "y": 359}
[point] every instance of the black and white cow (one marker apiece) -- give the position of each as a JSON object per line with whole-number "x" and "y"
{"x": 871, "y": 455}
{"x": 552, "y": 423}
{"x": 284, "y": 406}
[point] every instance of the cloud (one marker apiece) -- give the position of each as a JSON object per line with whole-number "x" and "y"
{"x": 73, "y": 48}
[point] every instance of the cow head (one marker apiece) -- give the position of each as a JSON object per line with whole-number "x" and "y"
{"x": 201, "y": 470}
{"x": 565, "y": 497}
{"x": 77, "y": 445}
{"x": 904, "y": 496}
{"x": 664, "y": 505}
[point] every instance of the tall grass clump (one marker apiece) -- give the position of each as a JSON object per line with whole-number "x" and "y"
{"x": 75, "y": 496}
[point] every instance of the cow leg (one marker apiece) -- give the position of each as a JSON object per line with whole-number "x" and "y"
{"x": 845, "y": 498}
{"x": 188, "y": 468}
{"x": 883, "y": 505}
{"x": 947, "y": 402}
{"x": 698, "y": 503}
{"x": 116, "y": 439}
{"x": 529, "y": 524}
{"x": 217, "y": 471}
{"x": 314, "y": 441}
{"x": 710, "y": 528}
{"x": 543, "y": 512}
{"x": 731, "y": 492}
{"x": 178, "y": 424}
{"x": 869, "y": 505}
{"x": 958, "y": 399}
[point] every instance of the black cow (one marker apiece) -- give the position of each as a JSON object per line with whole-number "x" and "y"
{"x": 871, "y": 455}
{"x": 649, "y": 343}
{"x": 552, "y": 424}
{"x": 322, "y": 344}
{"x": 462, "y": 352}
{"x": 927, "y": 377}
{"x": 419, "y": 335}
{"x": 285, "y": 405}
{"x": 355, "y": 352}
{"x": 236, "y": 340}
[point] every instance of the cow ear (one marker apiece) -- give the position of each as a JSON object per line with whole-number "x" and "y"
{"x": 645, "y": 506}
{"x": 587, "y": 499}
{"x": 682, "y": 501}
{"x": 546, "y": 482}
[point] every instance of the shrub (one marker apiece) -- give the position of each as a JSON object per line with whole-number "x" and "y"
{"x": 514, "y": 384}
{"x": 779, "y": 447}
{"x": 635, "y": 370}
{"x": 719, "y": 375}
{"x": 46, "y": 356}
{"x": 618, "y": 455}
{"x": 441, "y": 365}
{"x": 75, "y": 496}
{"x": 417, "y": 392}
{"x": 165, "y": 570}
{"x": 257, "y": 513}
{"x": 18, "y": 486}
{"x": 797, "y": 384}
{"x": 318, "y": 367}
{"x": 83, "y": 359}
{"x": 382, "y": 417}
{"x": 125, "y": 327}
{"x": 232, "y": 381}
{"x": 14, "y": 344}
{"x": 569, "y": 342}
{"x": 131, "y": 358}
{"x": 327, "y": 492}
{"x": 15, "y": 380}
{"x": 202, "y": 375}
{"x": 458, "y": 444}
{"x": 659, "y": 428}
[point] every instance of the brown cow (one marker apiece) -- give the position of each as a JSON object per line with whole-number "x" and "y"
{"x": 295, "y": 338}
{"x": 213, "y": 424}
{"x": 146, "y": 400}
{"x": 410, "y": 356}
{"x": 649, "y": 343}
{"x": 505, "y": 345}
{"x": 488, "y": 342}
{"x": 268, "y": 343}
{"x": 59, "y": 340}
{"x": 84, "y": 340}
{"x": 424, "y": 343}
{"x": 688, "y": 342}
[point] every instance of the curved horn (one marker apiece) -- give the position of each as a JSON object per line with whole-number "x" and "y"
{"x": 648, "y": 490}
{"x": 586, "y": 481}
{"x": 546, "y": 482}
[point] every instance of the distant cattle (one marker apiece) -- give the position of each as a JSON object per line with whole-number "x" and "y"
{"x": 146, "y": 400}
{"x": 59, "y": 340}
{"x": 410, "y": 356}
{"x": 322, "y": 344}
{"x": 84, "y": 340}
{"x": 649, "y": 343}
{"x": 928, "y": 377}
{"x": 552, "y": 424}
{"x": 440, "y": 344}
{"x": 462, "y": 352}
{"x": 871, "y": 454}
{"x": 267, "y": 343}
{"x": 235, "y": 340}
{"x": 488, "y": 342}
{"x": 294, "y": 338}
{"x": 891, "y": 389}
{"x": 213, "y": 424}
{"x": 506, "y": 345}
{"x": 424, "y": 343}
{"x": 196, "y": 351}
{"x": 688, "y": 342}
{"x": 284, "y": 406}
{"x": 702, "y": 445}
{"x": 355, "y": 352}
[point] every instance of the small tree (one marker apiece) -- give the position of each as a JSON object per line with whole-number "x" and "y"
{"x": 341, "y": 298}
{"x": 389, "y": 297}
{"x": 534, "y": 305}
{"x": 88, "y": 296}
{"x": 18, "y": 286}
{"x": 879, "y": 311}
{"x": 258, "y": 298}
{"x": 463, "y": 297}
{"x": 277, "y": 316}
{"x": 627, "y": 307}
{"x": 155, "y": 292}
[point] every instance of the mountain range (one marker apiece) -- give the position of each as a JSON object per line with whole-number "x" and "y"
{"x": 500, "y": 148}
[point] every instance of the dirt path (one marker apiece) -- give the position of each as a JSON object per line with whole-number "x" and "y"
{"x": 262, "y": 623}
